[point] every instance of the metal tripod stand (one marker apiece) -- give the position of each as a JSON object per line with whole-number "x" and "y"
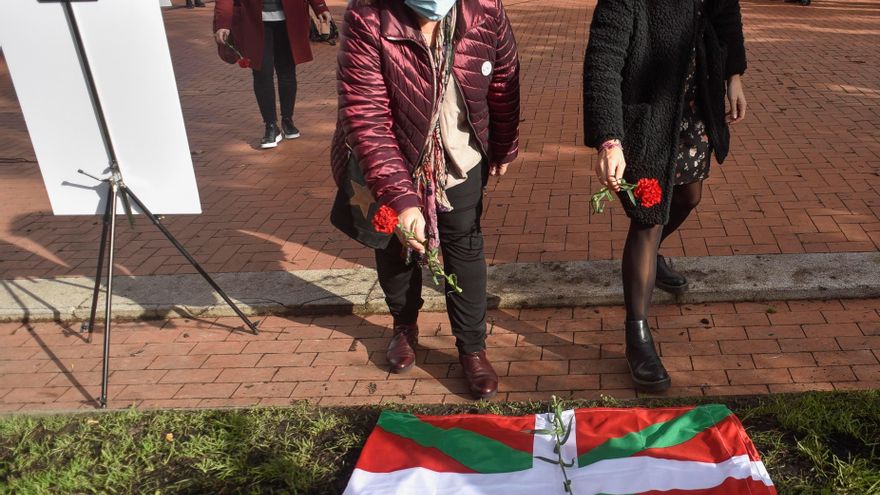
{"x": 118, "y": 190}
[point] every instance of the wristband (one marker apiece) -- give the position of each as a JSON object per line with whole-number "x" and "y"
{"x": 609, "y": 145}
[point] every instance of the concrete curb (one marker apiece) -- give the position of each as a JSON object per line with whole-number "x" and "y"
{"x": 516, "y": 285}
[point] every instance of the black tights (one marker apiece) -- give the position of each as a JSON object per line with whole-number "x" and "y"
{"x": 643, "y": 243}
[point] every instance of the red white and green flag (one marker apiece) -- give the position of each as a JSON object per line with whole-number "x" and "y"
{"x": 669, "y": 451}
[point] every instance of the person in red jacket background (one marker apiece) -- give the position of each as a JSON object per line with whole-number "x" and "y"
{"x": 274, "y": 35}
{"x": 429, "y": 108}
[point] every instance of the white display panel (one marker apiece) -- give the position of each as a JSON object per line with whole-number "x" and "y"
{"x": 127, "y": 49}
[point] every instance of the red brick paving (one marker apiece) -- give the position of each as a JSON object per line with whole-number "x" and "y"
{"x": 802, "y": 178}
{"x": 709, "y": 349}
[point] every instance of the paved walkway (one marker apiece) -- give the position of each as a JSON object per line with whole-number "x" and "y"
{"x": 709, "y": 349}
{"x": 803, "y": 175}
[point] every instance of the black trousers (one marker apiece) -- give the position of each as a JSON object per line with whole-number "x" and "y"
{"x": 461, "y": 242}
{"x": 277, "y": 58}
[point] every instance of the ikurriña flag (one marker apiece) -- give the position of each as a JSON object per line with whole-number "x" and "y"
{"x": 700, "y": 450}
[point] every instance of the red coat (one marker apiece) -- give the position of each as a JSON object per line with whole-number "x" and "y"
{"x": 244, "y": 18}
{"x": 386, "y": 100}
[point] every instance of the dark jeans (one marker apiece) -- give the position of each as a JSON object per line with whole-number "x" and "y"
{"x": 276, "y": 59}
{"x": 461, "y": 241}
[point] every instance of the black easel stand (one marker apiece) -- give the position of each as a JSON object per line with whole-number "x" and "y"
{"x": 118, "y": 190}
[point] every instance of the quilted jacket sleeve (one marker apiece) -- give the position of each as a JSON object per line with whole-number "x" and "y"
{"x": 603, "y": 66}
{"x": 503, "y": 95}
{"x": 365, "y": 114}
{"x": 222, "y": 14}
{"x": 727, "y": 22}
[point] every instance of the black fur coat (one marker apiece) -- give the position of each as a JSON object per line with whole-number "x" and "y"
{"x": 634, "y": 78}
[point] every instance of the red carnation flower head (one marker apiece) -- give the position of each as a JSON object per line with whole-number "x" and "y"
{"x": 649, "y": 192}
{"x": 244, "y": 62}
{"x": 385, "y": 220}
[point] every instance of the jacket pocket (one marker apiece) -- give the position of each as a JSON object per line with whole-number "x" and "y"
{"x": 636, "y": 127}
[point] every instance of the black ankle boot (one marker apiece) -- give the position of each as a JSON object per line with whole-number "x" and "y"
{"x": 668, "y": 279}
{"x": 645, "y": 367}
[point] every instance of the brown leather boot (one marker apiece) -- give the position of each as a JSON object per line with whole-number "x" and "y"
{"x": 400, "y": 354}
{"x": 479, "y": 373}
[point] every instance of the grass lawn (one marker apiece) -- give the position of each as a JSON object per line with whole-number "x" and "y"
{"x": 816, "y": 443}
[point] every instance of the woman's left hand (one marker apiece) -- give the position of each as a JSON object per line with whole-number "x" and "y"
{"x": 325, "y": 17}
{"x": 736, "y": 100}
{"x": 498, "y": 170}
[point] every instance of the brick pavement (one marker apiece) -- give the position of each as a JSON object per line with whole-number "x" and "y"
{"x": 803, "y": 175}
{"x": 711, "y": 349}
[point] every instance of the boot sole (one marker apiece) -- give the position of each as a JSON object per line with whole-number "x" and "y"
{"x": 672, "y": 289}
{"x": 643, "y": 386}
{"x": 397, "y": 371}
{"x": 660, "y": 386}
{"x": 487, "y": 396}
{"x": 292, "y": 136}
{"x": 267, "y": 146}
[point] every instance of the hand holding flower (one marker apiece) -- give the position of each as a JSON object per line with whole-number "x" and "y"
{"x": 611, "y": 164}
{"x": 412, "y": 222}
{"x": 410, "y": 229}
{"x": 222, "y": 37}
{"x": 646, "y": 191}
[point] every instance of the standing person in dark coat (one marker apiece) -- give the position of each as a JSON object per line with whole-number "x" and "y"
{"x": 274, "y": 35}
{"x": 657, "y": 77}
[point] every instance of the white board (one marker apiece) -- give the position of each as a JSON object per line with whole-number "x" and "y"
{"x": 127, "y": 49}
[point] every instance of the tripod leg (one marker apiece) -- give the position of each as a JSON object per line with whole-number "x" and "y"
{"x": 105, "y": 373}
{"x": 101, "y": 252}
{"x": 192, "y": 261}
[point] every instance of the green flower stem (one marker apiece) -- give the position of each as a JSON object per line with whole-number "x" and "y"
{"x": 229, "y": 45}
{"x": 560, "y": 432}
{"x": 435, "y": 266}
{"x": 604, "y": 194}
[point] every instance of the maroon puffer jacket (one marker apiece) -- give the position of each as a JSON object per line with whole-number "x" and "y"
{"x": 385, "y": 87}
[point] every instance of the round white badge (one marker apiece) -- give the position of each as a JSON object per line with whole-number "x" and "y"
{"x": 487, "y": 68}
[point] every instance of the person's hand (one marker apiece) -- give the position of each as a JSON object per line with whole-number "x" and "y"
{"x": 413, "y": 221}
{"x": 610, "y": 166}
{"x": 736, "y": 100}
{"x": 325, "y": 17}
{"x": 498, "y": 170}
{"x": 221, "y": 36}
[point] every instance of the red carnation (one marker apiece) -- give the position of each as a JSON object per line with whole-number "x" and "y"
{"x": 244, "y": 62}
{"x": 385, "y": 220}
{"x": 648, "y": 191}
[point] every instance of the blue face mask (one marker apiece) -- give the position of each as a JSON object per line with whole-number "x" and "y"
{"x": 433, "y": 10}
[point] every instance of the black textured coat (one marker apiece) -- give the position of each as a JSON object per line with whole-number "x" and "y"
{"x": 634, "y": 81}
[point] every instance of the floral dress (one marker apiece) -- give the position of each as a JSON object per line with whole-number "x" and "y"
{"x": 694, "y": 151}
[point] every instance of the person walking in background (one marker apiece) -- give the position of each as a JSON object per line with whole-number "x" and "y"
{"x": 657, "y": 75}
{"x": 274, "y": 36}
{"x": 198, "y": 3}
{"x": 429, "y": 109}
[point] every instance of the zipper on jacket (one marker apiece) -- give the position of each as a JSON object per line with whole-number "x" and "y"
{"x": 434, "y": 101}
{"x": 427, "y": 51}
